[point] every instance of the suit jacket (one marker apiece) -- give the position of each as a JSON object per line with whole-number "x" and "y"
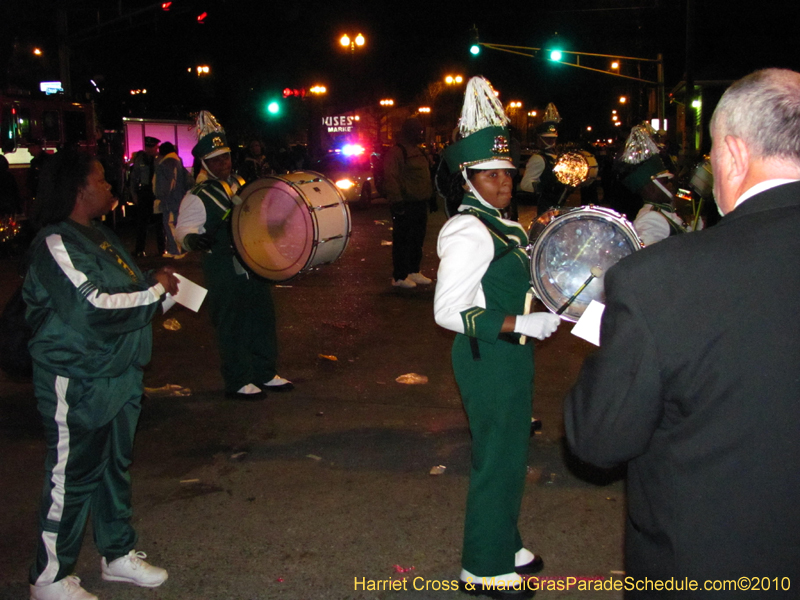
{"x": 697, "y": 386}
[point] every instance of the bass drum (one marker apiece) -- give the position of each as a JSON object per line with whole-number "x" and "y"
{"x": 287, "y": 224}
{"x": 571, "y": 244}
{"x": 577, "y": 168}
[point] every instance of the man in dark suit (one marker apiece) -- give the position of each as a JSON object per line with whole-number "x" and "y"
{"x": 696, "y": 384}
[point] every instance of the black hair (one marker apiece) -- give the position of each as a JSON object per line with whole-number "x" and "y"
{"x": 166, "y": 148}
{"x": 62, "y": 178}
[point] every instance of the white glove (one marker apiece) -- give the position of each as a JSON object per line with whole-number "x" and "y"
{"x": 539, "y": 325}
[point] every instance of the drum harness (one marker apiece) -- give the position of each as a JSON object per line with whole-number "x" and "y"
{"x": 226, "y": 211}
{"x": 510, "y": 247}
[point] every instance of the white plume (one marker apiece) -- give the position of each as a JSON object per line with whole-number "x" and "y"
{"x": 481, "y": 108}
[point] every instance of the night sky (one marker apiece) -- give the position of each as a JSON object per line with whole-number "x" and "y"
{"x": 257, "y": 48}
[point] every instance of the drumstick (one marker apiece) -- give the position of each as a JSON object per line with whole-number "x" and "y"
{"x": 528, "y": 301}
{"x": 596, "y": 272}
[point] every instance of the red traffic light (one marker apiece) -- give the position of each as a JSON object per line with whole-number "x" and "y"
{"x": 301, "y": 93}
{"x": 165, "y": 6}
{"x": 201, "y": 18}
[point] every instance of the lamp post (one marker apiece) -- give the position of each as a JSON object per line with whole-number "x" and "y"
{"x": 452, "y": 102}
{"x": 352, "y": 43}
{"x": 386, "y": 105}
{"x": 317, "y": 93}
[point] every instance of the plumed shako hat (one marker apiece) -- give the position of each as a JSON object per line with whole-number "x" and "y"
{"x": 484, "y": 143}
{"x": 211, "y": 139}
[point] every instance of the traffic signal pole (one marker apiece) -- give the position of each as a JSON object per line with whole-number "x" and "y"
{"x": 534, "y": 53}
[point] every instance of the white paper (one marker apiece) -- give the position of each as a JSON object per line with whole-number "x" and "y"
{"x": 588, "y": 326}
{"x": 189, "y": 295}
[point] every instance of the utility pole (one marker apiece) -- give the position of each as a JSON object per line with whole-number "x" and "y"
{"x": 63, "y": 47}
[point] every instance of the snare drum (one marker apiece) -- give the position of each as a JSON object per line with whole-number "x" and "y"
{"x": 702, "y": 180}
{"x": 287, "y": 224}
{"x": 565, "y": 252}
{"x": 541, "y": 223}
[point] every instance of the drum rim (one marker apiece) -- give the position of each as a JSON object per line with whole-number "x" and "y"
{"x": 608, "y": 215}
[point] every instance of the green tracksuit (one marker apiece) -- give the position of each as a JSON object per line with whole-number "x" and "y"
{"x": 90, "y": 309}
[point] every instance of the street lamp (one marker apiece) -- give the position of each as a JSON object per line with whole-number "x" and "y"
{"x": 453, "y": 79}
{"x": 623, "y": 99}
{"x": 318, "y": 90}
{"x": 346, "y": 41}
{"x": 203, "y": 70}
{"x": 424, "y": 109}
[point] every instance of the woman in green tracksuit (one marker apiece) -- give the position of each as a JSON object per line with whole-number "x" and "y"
{"x": 481, "y": 289}
{"x": 90, "y": 309}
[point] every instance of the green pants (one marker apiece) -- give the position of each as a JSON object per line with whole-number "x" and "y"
{"x": 496, "y": 391}
{"x": 243, "y": 315}
{"x": 89, "y": 449}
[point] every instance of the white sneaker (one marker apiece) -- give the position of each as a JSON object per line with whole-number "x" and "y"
{"x": 68, "y": 588}
{"x": 406, "y": 283}
{"x": 419, "y": 279}
{"x": 249, "y": 389}
{"x": 132, "y": 568}
{"x": 278, "y": 384}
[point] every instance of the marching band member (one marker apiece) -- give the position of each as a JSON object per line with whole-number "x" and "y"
{"x": 480, "y": 294}
{"x": 240, "y": 302}
{"x": 655, "y": 184}
{"x": 538, "y": 177}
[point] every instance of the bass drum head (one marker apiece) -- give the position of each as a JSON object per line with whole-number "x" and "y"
{"x": 569, "y": 247}
{"x": 276, "y": 227}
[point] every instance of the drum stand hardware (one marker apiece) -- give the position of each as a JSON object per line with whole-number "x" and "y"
{"x": 330, "y": 239}
{"x": 324, "y": 206}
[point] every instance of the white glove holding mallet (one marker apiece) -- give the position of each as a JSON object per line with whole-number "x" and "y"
{"x": 539, "y": 324}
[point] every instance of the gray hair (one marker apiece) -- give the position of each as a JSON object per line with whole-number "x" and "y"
{"x": 763, "y": 109}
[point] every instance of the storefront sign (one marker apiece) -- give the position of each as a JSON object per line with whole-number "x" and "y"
{"x": 339, "y": 124}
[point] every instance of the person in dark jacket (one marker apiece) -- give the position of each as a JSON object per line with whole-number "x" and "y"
{"x": 90, "y": 308}
{"x": 409, "y": 189}
{"x": 172, "y": 181}
{"x": 704, "y": 405}
{"x": 141, "y": 181}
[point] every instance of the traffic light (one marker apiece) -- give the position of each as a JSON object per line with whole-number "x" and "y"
{"x": 555, "y": 55}
{"x": 201, "y": 18}
{"x": 475, "y": 46}
{"x": 273, "y": 108}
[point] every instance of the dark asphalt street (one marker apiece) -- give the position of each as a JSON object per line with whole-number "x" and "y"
{"x": 300, "y": 495}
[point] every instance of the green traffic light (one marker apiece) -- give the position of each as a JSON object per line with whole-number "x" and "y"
{"x": 273, "y": 108}
{"x": 475, "y": 49}
{"x": 555, "y": 55}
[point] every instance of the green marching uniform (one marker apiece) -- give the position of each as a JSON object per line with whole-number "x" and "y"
{"x": 240, "y": 303}
{"x": 495, "y": 377}
{"x": 90, "y": 309}
{"x": 482, "y": 290}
